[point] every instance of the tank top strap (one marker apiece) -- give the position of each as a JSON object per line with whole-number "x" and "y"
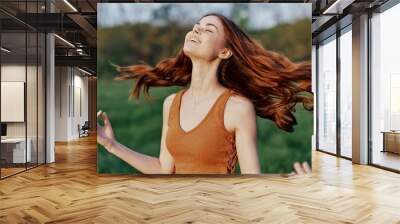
{"x": 220, "y": 108}
{"x": 174, "y": 109}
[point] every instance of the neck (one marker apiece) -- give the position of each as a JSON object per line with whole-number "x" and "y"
{"x": 204, "y": 81}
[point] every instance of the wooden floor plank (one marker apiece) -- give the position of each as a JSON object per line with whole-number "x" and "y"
{"x": 70, "y": 191}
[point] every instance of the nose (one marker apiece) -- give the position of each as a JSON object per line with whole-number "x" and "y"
{"x": 196, "y": 30}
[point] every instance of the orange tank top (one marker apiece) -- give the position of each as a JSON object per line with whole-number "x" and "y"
{"x": 208, "y": 148}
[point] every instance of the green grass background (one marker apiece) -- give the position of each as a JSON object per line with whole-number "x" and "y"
{"x": 137, "y": 124}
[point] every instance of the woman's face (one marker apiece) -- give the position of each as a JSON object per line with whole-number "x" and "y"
{"x": 206, "y": 40}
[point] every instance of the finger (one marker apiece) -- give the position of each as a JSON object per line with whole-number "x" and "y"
{"x": 297, "y": 167}
{"x": 105, "y": 117}
{"x": 98, "y": 116}
{"x": 306, "y": 168}
{"x": 292, "y": 174}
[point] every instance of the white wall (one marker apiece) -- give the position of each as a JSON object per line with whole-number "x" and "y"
{"x": 61, "y": 103}
{"x": 70, "y": 83}
{"x": 16, "y": 73}
{"x": 79, "y": 117}
{"x": 12, "y": 101}
{"x": 33, "y": 126}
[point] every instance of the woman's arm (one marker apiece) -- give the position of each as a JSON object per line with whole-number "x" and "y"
{"x": 144, "y": 163}
{"x": 241, "y": 118}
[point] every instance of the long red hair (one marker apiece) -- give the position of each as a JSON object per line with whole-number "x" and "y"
{"x": 270, "y": 80}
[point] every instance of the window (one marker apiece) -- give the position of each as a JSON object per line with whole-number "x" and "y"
{"x": 385, "y": 89}
{"x": 327, "y": 95}
{"x": 346, "y": 92}
{"x": 22, "y": 77}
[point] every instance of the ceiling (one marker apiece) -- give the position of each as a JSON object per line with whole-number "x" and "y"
{"x": 76, "y": 22}
{"x": 331, "y": 15}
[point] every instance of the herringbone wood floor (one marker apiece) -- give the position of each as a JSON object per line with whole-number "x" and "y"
{"x": 70, "y": 191}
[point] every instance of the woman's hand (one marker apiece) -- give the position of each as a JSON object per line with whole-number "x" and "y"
{"x": 300, "y": 169}
{"x": 105, "y": 134}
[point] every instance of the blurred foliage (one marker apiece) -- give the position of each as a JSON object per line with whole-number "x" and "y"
{"x": 137, "y": 124}
{"x": 144, "y": 42}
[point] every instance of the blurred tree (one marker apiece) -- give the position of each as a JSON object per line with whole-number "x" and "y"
{"x": 240, "y": 15}
{"x": 130, "y": 44}
{"x": 162, "y": 16}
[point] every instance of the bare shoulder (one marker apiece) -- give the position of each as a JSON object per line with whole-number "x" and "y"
{"x": 167, "y": 105}
{"x": 239, "y": 110}
{"x": 239, "y": 105}
{"x": 168, "y": 100}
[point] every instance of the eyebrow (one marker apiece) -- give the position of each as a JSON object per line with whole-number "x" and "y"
{"x": 209, "y": 24}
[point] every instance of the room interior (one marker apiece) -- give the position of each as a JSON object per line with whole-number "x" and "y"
{"x": 48, "y": 91}
{"x": 22, "y": 101}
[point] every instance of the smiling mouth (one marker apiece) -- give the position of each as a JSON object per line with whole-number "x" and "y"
{"x": 195, "y": 40}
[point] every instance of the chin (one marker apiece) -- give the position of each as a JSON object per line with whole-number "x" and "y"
{"x": 197, "y": 53}
{"x": 190, "y": 52}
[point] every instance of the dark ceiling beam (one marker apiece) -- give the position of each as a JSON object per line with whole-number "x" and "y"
{"x": 91, "y": 5}
{"x": 15, "y": 18}
{"x": 49, "y": 22}
{"x": 60, "y": 22}
{"x": 81, "y": 61}
{"x": 52, "y": 22}
{"x": 328, "y": 15}
{"x": 334, "y": 17}
{"x": 63, "y": 51}
{"x": 84, "y": 24}
{"x": 81, "y": 20}
{"x": 321, "y": 23}
{"x": 69, "y": 23}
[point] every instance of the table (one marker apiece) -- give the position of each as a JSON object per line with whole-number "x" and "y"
{"x": 17, "y": 150}
{"x": 391, "y": 141}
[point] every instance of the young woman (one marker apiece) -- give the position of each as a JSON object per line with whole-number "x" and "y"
{"x": 211, "y": 125}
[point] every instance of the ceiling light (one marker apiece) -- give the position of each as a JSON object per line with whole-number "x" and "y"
{"x": 338, "y": 6}
{"x": 80, "y": 51}
{"x": 84, "y": 71}
{"x": 5, "y": 49}
{"x": 70, "y": 5}
{"x": 65, "y": 41}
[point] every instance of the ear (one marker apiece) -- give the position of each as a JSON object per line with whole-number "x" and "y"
{"x": 225, "y": 53}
